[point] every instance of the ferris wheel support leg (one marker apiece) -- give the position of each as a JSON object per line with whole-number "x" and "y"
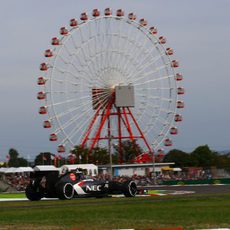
{"x": 128, "y": 125}
{"x": 101, "y": 126}
{"x": 139, "y": 129}
{"x": 86, "y": 136}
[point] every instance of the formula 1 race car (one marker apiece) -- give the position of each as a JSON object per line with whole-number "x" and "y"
{"x": 73, "y": 184}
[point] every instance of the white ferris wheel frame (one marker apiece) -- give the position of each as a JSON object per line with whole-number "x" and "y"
{"x": 134, "y": 76}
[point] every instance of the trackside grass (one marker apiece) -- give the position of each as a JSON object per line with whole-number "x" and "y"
{"x": 144, "y": 213}
{"x": 12, "y": 195}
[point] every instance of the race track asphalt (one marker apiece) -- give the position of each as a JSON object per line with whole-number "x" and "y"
{"x": 197, "y": 189}
{"x": 178, "y": 190}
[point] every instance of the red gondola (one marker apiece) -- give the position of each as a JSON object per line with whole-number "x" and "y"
{"x": 42, "y": 110}
{"x": 53, "y": 137}
{"x": 64, "y": 31}
{"x": 41, "y": 95}
{"x": 173, "y": 131}
{"x": 108, "y": 12}
{"x": 153, "y": 30}
{"x": 180, "y": 90}
{"x": 96, "y": 13}
{"x": 73, "y": 22}
{"x": 162, "y": 40}
{"x": 61, "y": 149}
{"x": 180, "y": 104}
{"x": 84, "y": 16}
{"x": 48, "y": 53}
{"x": 178, "y": 77}
{"x": 169, "y": 51}
{"x": 47, "y": 124}
{"x": 178, "y": 118}
{"x": 143, "y": 22}
{"x": 160, "y": 151}
{"x": 41, "y": 81}
{"x": 55, "y": 41}
{"x": 168, "y": 142}
{"x": 174, "y": 64}
{"x": 43, "y": 66}
{"x": 132, "y": 16}
{"x": 120, "y": 13}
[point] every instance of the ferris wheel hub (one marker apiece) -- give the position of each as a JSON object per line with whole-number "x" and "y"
{"x": 112, "y": 78}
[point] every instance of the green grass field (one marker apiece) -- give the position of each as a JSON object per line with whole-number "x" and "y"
{"x": 12, "y": 195}
{"x": 194, "y": 212}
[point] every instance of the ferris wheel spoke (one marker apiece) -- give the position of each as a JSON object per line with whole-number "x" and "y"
{"x": 90, "y": 73}
{"x": 149, "y": 59}
{"x": 157, "y": 98}
{"x": 142, "y": 68}
{"x": 65, "y": 82}
{"x": 63, "y": 71}
{"x": 125, "y": 58}
{"x": 100, "y": 41}
{"x": 85, "y": 74}
{"x": 167, "y": 111}
{"x": 108, "y": 40}
{"x": 67, "y": 50}
{"x": 66, "y": 102}
{"x": 141, "y": 63}
{"x": 83, "y": 43}
{"x": 135, "y": 56}
{"x": 155, "y": 88}
{"x": 63, "y": 59}
{"x": 75, "y": 130}
{"x": 134, "y": 48}
{"x": 162, "y": 121}
{"x": 154, "y": 80}
{"x": 118, "y": 43}
{"x": 71, "y": 110}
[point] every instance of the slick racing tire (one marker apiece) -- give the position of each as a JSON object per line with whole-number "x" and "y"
{"x": 32, "y": 194}
{"x": 65, "y": 191}
{"x": 130, "y": 189}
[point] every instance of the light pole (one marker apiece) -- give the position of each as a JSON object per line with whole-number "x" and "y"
{"x": 154, "y": 169}
{"x": 110, "y": 160}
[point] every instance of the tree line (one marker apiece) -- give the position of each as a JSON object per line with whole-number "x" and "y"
{"x": 202, "y": 156}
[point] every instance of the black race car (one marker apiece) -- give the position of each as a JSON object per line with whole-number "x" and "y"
{"x": 73, "y": 184}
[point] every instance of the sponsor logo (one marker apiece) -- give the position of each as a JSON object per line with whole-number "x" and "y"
{"x": 93, "y": 188}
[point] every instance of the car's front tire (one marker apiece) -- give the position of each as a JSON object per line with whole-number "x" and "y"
{"x": 65, "y": 191}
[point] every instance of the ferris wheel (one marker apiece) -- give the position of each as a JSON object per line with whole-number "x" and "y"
{"x": 110, "y": 78}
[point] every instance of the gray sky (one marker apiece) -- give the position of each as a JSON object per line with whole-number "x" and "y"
{"x": 198, "y": 30}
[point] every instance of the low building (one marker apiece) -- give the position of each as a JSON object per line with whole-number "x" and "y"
{"x": 144, "y": 169}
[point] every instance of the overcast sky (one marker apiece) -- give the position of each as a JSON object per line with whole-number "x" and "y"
{"x": 198, "y": 30}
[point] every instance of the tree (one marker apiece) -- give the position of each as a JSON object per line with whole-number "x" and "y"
{"x": 82, "y": 155}
{"x": 204, "y": 157}
{"x": 14, "y": 160}
{"x": 223, "y": 161}
{"x": 180, "y": 158}
{"x": 43, "y": 158}
{"x": 100, "y": 156}
{"x": 130, "y": 149}
{"x": 97, "y": 156}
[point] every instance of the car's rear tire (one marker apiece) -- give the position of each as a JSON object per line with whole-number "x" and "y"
{"x": 65, "y": 191}
{"x": 32, "y": 194}
{"x": 130, "y": 189}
